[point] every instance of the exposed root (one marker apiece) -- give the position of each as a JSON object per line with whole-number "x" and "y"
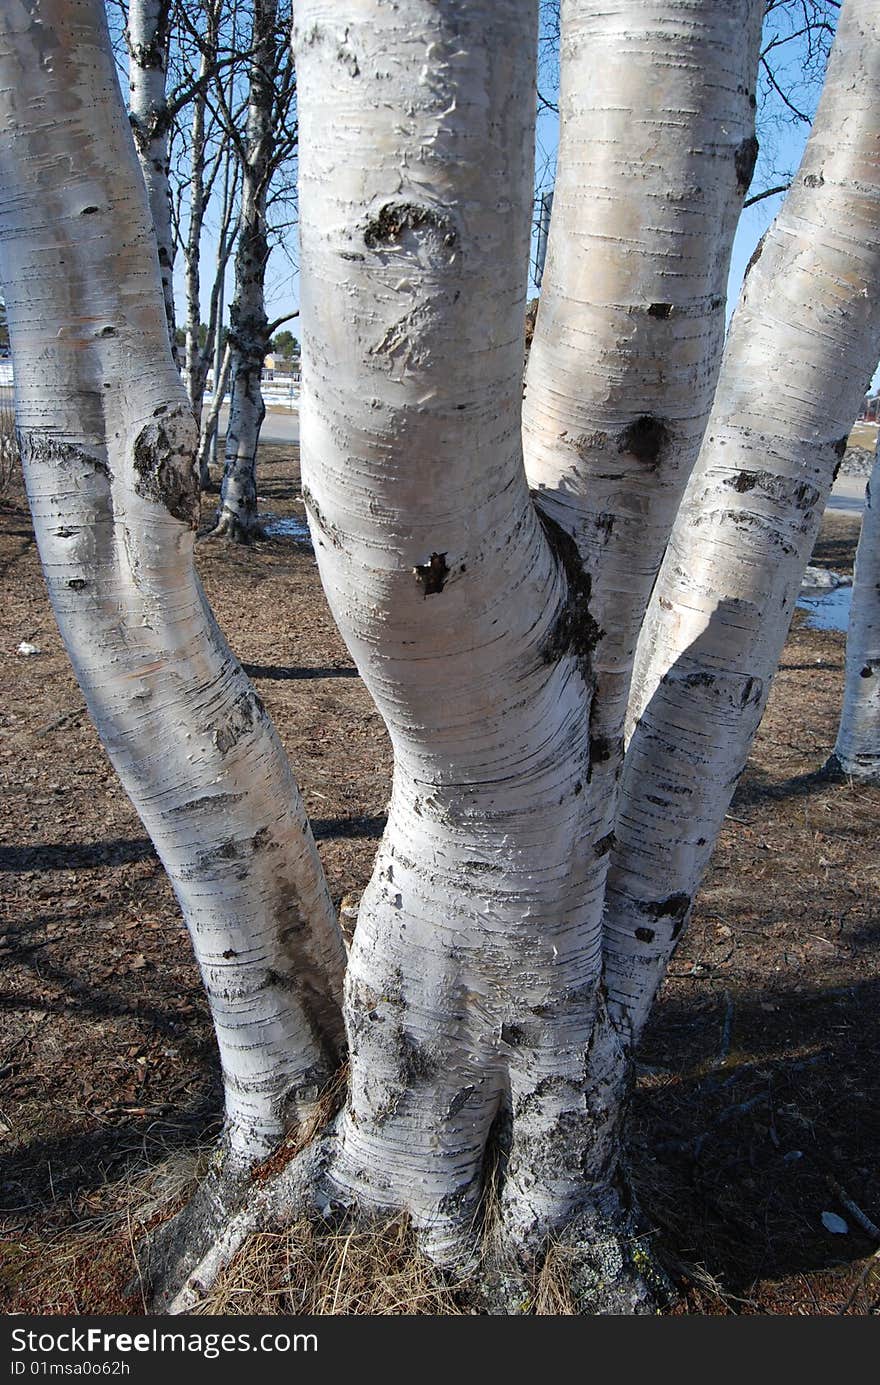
{"x": 218, "y": 1246}
{"x": 167, "y": 1255}
{"x": 235, "y": 529}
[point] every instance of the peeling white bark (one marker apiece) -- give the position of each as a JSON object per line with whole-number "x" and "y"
{"x": 107, "y": 442}
{"x": 656, "y": 151}
{"x": 147, "y": 41}
{"x": 472, "y": 992}
{"x": 796, "y": 365}
{"x": 857, "y": 751}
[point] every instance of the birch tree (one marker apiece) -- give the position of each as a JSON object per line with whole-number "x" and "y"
{"x": 857, "y": 749}
{"x": 147, "y": 39}
{"x": 268, "y": 141}
{"x": 521, "y": 585}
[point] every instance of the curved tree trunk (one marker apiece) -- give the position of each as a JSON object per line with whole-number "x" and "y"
{"x": 249, "y": 327}
{"x": 107, "y": 441}
{"x": 147, "y": 40}
{"x": 796, "y": 365}
{"x": 857, "y": 751}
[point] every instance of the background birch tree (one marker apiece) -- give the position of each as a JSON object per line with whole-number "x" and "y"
{"x": 264, "y": 149}
{"x": 857, "y": 748}
{"x": 524, "y": 587}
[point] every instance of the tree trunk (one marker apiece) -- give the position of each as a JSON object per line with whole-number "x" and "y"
{"x": 210, "y": 422}
{"x": 195, "y": 369}
{"x": 248, "y": 331}
{"x": 473, "y": 996}
{"x": 796, "y": 364}
{"x": 147, "y": 39}
{"x": 107, "y": 441}
{"x": 857, "y": 751}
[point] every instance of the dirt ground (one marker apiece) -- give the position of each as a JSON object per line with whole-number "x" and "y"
{"x": 758, "y": 1104}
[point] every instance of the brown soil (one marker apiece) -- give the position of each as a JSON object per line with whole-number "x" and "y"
{"x": 758, "y": 1106}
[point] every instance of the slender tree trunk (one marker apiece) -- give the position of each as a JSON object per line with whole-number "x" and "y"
{"x": 796, "y": 365}
{"x": 211, "y": 420}
{"x": 857, "y": 751}
{"x": 107, "y": 440}
{"x": 248, "y": 331}
{"x": 195, "y": 370}
{"x": 147, "y": 38}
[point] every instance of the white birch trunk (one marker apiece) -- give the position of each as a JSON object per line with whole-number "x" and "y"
{"x": 107, "y": 441}
{"x": 248, "y": 329}
{"x": 656, "y": 151}
{"x": 796, "y": 365}
{"x": 857, "y": 751}
{"x": 473, "y": 995}
{"x": 147, "y": 40}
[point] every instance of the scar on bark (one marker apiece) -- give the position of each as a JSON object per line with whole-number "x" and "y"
{"x": 432, "y": 574}
{"x": 745, "y": 158}
{"x": 574, "y": 631}
{"x": 755, "y": 256}
{"x": 390, "y": 222}
{"x": 164, "y": 464}
{"x": 644, "y": 439}
{"x": 675, "y": 907}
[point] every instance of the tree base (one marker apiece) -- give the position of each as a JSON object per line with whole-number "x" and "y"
{"x": 597, "y": 1266}
{"x": 236, "y": 529}
{"x": 836, "y": 771}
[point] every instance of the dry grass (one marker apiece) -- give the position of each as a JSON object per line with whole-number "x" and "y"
{"x": 864, "y": 435}
{"x": 365, "y": 1269}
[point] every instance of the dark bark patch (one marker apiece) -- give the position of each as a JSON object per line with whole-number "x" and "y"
{"x": 207, "y": 803}
{"x": 745, "y": 481}
{"x": 745, "y": 158}
{"x": 513, "y": 1035}
{"x": 780, "y": 488}
{"x": 605, "y": 748}
{"x": 574, "y": 631}
{"x": 460, "y": 1099}
{"x": 867, "y": 672}
{"x": 645, "y": 935}
{"x": 317, "y": 518}
{"x": 755, "y": 256}
{"x": 674, "y": 907}
{"x": 387, "y": 228}
{"x": 660, "y": 310}
{"x": 644, "y": 439}
{"x": 77, "y": 584}
{"x": 605, "y": 844}
{"x": 432, "y": 574}
{"x": 417, "y": 1063}
{"x": 246, "y": 713}
{"x": 813, "y": 180}
{"x": 839, "y": 447}
{"x": 88, "y": 211}
{"x": 164, "y": 465}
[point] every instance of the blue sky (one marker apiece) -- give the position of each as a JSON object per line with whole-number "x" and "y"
{"x": 781, "y": 136}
